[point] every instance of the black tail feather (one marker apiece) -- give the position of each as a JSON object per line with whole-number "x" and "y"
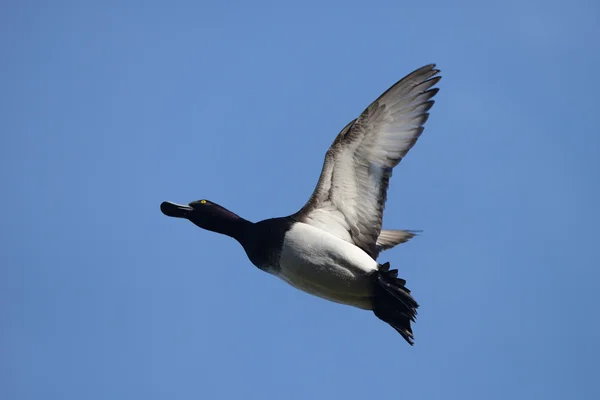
{"x": 393, "y": 303}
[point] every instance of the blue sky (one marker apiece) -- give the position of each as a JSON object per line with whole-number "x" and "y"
{"x": 107, "y": 109}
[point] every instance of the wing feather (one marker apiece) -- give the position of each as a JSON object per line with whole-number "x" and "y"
{"x": 350, "y": 197}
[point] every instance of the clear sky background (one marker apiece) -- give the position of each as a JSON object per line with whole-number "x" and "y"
{"x": 107, "y": 109}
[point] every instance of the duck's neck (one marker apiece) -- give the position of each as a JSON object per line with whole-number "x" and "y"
{"x": 237, "y": 229}
{"x": 232, "y": 225}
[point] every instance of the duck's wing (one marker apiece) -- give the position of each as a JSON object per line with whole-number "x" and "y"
{"x": 389, "y": 238}
{"x": 350, "y": 196}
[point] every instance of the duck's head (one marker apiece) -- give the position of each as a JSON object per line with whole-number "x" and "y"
{"x": 206, "y": 215}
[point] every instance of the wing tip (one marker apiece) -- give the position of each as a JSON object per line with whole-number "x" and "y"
{"x": 430, "y": 71}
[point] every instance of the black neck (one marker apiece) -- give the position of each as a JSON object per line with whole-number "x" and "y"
{"x": 236, "y": 228}
{"x": 227, "y": 223}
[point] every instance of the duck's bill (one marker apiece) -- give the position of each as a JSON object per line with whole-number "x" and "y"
{"x": 175, "y": 210}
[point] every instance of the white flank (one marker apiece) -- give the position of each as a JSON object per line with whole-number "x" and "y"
{"x": 319, "y": 263}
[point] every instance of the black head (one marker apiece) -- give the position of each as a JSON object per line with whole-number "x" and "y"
{"x": 206, "y": 215}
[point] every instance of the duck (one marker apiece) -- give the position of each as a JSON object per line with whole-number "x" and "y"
{"x": 330, "y": 247}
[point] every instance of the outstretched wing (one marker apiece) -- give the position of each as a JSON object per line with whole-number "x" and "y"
{"x": 350, "y": 196}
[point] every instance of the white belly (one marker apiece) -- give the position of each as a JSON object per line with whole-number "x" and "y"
{"x": 326, "y": 266}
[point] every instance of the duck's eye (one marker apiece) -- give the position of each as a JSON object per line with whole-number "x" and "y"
{"x": 202, "y": 201}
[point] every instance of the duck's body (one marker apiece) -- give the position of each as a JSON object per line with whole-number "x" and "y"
{"x": 322, "y": 264}
{"x": 330, "y": 247}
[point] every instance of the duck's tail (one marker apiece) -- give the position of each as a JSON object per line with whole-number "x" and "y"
{"x": 393, "y": 303}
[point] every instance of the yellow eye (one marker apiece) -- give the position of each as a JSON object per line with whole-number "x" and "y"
{"x": 202, "y": 201}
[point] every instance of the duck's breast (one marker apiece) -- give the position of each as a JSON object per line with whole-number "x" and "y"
{"x": 326, "y": 266}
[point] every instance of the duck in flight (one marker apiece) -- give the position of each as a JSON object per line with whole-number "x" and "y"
{"x": 329, "y": 248}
